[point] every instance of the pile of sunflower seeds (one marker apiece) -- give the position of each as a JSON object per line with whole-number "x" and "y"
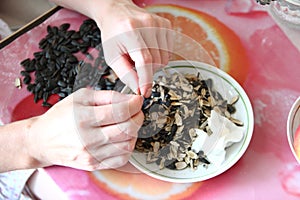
{"x": 179, "y": 105}
{"x": 56, "y": 69}
{"x": 264, "y": 2}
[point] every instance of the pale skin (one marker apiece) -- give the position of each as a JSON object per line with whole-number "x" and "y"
{"x": 94, "y": 130}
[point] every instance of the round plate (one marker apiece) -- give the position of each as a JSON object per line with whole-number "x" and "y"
{"x": 228, "y": 88}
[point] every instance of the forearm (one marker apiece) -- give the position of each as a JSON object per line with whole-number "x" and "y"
{"x": 95, "y": 9}
{"x": 14, "y": 147}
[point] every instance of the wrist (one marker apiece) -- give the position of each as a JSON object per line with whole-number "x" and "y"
{"x": 29, "y": 144}
{"x": 103, "y": 10}
{"x": 14, "y": 150}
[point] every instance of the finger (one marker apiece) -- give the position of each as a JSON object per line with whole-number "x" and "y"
{"x": 116, "y": 55}
{"x": 125, "y": 71}
{"x": 163, "y": 49}
{"x": 150, "y": 36}
{"x": 121, "y": 131}
{"x": 156, "y": 64}
{"x": 155, "y": 51}
{"x": 170, "y": 35}
{"x": 114, "y": 162}
{"x": 165, "y": 46}
{"x": 89, "y": 97}
{"x": 115, "y": 113}
{"x": 114, "y": 133}
{"x": 146, "y": 58}
{"x": 96, "y": 137}
{"x": 165, "y": 39}
{"x": 162, "y": 38}
{"x": 112, "y": 149}
{"x": 129, "y": 168}
{"x": 95, "y": 156}
{"x": 130, "y": 42}
{"x": 143, "y": 64}
{"x": 139, "y": 53}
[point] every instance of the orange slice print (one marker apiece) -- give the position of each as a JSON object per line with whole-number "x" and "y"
{"x": 220, "y": 42}
{"x": 132, "y": 184}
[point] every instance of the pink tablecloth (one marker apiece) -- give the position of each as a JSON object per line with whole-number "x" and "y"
{"x": 267, "y": 170}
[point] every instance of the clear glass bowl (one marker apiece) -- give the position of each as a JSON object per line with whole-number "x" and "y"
{"x": 287, "y": 11}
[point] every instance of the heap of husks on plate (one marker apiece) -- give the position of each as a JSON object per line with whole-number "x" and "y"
{"x": 179, "y": 104}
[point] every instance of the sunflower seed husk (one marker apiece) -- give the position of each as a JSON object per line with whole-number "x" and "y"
{"x": 18, "y": 83}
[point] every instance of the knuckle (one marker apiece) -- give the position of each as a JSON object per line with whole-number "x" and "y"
{"x": 127, "y": 23}
{"x": 133, "y": 126}
{"x": 91, "y": 163}
{"x": 100, "y": 120}
{"x": 137, "y": 122}
{"x": 122, "y": 161}
{"x": 81, "y": 124}
{"x": 156, "y": 56}
{"x": 84, "y": 92}
{"x": 146, "y": 56}
{"x": 140, "y": 118}
{"x": 81, "y": 149}
{"x": 91, "y": 168}
{"x": 105, "y": 139}
{"x": 122, "y": 114}
{"x": 82, "y": 119}
{"x": 81, "y": 90}
{"x": 164, "y": 60}
{"x": 166, "y": 23}
{"x": 111, "y": 93}
{"x": 129, "y": 130}
{"x": 124, "y": 128}
{"x": 149, "y": 18}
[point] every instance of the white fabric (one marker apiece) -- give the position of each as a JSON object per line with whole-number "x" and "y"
{"x": 4, "y": 30}
{"x": 12, "y": 184}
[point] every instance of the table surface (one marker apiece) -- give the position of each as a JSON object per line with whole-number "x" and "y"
{"x": 269, "y": 73}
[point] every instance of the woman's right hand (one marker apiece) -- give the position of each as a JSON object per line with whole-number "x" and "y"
{"x": 88, "y": 130}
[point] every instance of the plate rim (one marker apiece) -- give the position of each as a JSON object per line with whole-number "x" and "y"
{"x": 290, "y": 126}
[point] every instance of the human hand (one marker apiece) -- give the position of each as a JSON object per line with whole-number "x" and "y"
{"x": 136, "y": 43}
{"x": 88, "y": 130}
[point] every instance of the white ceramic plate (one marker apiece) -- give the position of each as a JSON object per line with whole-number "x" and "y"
{"x": 292, "y": 123}
{"x": 228, "y": 88}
